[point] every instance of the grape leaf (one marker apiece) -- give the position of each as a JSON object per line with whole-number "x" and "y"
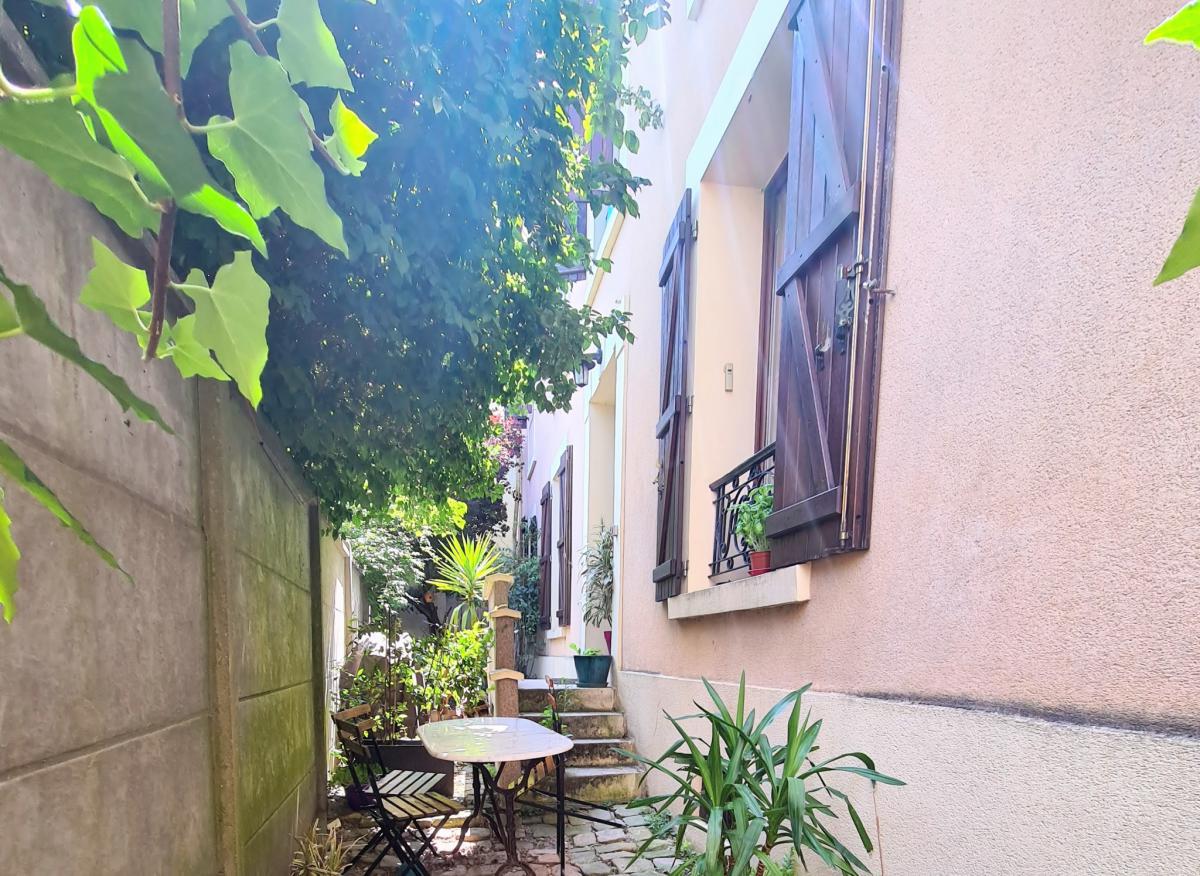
{"x": 53, "y": 136}
{"x": 350, "y": 138}
{"x": 231, "y": 320}
{"x": 117, "y": 290}
{"x": 1183, "y": 27}
{"x": 307, "y": 48}
{"x": 266, "y": 147}
{"x": 197, "y": 18}
{"x": 10, "y": 323}
{"x": 37, "y": 324}
{"x": 15, "y": 468}
{"x": 214, "y": 202}
{"x": 191, "y": 357}
{"x": 9, "y": 557}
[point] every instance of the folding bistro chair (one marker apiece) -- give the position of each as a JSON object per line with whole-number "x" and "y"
{"x": 396, "y": 811}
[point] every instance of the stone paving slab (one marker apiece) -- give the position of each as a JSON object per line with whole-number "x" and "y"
{"x": 592, "y": 850}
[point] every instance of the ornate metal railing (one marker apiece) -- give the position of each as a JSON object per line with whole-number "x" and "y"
{"x": 729, "y": 554}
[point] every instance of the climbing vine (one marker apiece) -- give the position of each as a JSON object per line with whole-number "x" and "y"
{"x": 118, "y": 133}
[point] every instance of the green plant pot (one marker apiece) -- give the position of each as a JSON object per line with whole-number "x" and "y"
{"x": 592, "y": 671}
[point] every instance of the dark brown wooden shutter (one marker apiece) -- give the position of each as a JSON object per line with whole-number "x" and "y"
{"x": 564, "y": 537}
{"x": 544, "y": 559}
{"x": 672, "y": 421}
{"x": 831, "y": 275}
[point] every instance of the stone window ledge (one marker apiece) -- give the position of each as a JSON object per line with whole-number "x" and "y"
{"x": 786, "y": 586}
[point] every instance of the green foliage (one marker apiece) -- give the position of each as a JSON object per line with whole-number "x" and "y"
{"x": 523, "y": 596}
{"x": 747, "y": 797}
{"x": 598, "y": 577}
{"x": 420, "y": 679}
{"x": 585, "y": 652}
{"x": 752, "y": 514}
{"x": 321, "y": 853}
{"x": 392, "y": 560}
{"x": 10, "y": 555}
{"x": 383, "y": 365}
{"x": 116, "y": 132}
{"x": 463, "y": 564}
{"x": 1184, "y": 28}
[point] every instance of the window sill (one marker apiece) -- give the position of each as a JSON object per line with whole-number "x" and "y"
{"x": 786, "y": 586}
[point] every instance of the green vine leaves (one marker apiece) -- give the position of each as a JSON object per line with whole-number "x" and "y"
{"x": 120, "y": 138}
{"x": 1183, "y": 28}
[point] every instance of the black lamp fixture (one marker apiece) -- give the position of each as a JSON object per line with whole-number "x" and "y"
{"x": 589, "y": 361}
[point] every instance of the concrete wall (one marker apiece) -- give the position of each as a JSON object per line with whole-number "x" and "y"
{"x": 169, "y": 725}
{"x": 1036, "y": 538}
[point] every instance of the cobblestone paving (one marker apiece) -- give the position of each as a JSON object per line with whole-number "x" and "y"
{"x": 592, "y": 850}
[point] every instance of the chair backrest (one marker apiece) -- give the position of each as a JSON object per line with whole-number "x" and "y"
{"x": 358, "y": 722}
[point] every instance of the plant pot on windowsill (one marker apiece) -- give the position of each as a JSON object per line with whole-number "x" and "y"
{"x": 591, "y": 670}
{"x": 760, "y": 562}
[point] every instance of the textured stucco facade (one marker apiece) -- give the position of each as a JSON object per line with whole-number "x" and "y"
{"x": 1020, "y": 641}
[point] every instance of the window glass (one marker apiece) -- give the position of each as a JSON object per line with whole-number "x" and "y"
{"x": 773, "y": 229}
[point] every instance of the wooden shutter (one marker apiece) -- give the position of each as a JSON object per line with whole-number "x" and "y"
{"x": 672, "y": 421}
{"x": 544, "y": 560}
{"x": 831, "y": 275}
{"x": 564, "y": 537}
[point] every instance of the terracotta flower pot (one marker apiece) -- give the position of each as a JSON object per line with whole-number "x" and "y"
{"x": 760, "y": 562}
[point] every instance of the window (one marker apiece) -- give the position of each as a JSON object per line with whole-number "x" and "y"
{"x": 774, "y": 206}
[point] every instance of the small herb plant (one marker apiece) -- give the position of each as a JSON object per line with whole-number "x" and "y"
{"x": 584, "y": 652}
{"x": 321, "y": 853}
{"x": 747, "y": 797}
{"x": 752, "y": 515}
{"x": 598, "y": 578}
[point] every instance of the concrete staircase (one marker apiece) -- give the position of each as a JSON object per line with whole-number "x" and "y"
{"x": 590, "y": 716}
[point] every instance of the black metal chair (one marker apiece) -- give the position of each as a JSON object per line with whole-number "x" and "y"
{"x": 398, "y": 809}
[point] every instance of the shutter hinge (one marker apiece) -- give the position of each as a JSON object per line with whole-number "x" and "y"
{"x": 851, "y": 270}
{"x": 695, "y": 229}
{"x": 690, "y": 402}
{"x": 685, "y": 568}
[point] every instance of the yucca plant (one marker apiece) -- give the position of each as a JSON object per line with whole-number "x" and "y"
{"x": 598, "y": 578}
{"x": 462, "y": 566}
{"x": 321, "y": 853}
{"x": 747, "y": 796}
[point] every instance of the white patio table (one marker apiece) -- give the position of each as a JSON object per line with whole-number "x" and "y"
{"x": 484, "y": 742}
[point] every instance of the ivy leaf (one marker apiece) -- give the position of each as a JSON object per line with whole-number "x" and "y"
{"x": 10, "y": 323}
{"x": 307, "y": 48}
{"x": 1183, "y": 27}
{"x": 191, "y": 357}
{"x": 350, "y": 138}
{"x": 37, "y": 324}
{"x": 1185, "y": 253}
{"x": 231, "y": 319}
{"x": 117, "y": 290}
{"x": 15, "y": 468}
{"x": 9, "y": 556}
{"x": 197, "y": 18}
{"x": 53, "y": 136}
{"x": 214, "y": 202}
{"x": 266, "y": 147}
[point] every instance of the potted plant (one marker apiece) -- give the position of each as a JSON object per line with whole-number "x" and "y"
{"x": 591, "y": 667}
{"x": 752, "y": 515}
{"x": 598, "y": 582}
{"x": 746, "y": 797}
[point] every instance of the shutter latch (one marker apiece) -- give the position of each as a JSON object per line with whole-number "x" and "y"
{"x": 871, "y": 287}
{"x": 852, "y": 270}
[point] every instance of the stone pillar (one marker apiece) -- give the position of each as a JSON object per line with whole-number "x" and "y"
{"x": 502, "y": 666}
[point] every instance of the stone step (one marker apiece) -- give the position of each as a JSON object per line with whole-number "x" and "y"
{"x": 610, "y": 784}
{"x": 588, "y": 725}
{"x": 599, "y": 752}
{"x": 570, "y": 699}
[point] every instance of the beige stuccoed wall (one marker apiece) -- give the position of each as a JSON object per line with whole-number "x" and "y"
{"x": 1036, "y": 541}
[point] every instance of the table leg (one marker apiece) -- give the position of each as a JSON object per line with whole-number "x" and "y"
{"x": 559, "y": 811}
{"x": 477, "y": 809}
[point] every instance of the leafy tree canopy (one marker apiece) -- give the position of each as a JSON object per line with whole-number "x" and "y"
{"x": 383, "y": 364}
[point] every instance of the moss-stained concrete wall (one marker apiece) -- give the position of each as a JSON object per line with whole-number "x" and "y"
{"x": 167, "y": 726}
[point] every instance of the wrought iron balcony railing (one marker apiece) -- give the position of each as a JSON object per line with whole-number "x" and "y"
{"x": 729, "y": 554}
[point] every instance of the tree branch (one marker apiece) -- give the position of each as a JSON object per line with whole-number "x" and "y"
{"x": 173, "y": 81}
{"x": 250, "y": 32}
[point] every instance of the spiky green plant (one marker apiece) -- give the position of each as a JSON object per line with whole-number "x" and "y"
{"x": 598, "y": 578}
{"x": 746, "y": 796}
{"x": 463, "y": 564}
